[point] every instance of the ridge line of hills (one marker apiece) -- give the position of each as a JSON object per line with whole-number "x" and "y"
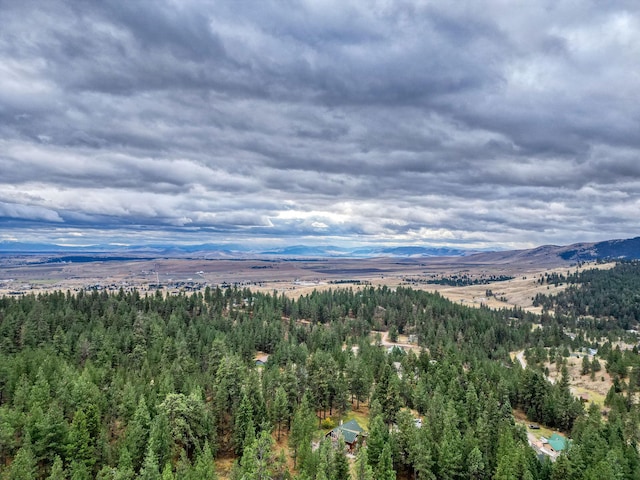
{"x": 627, "y": 249}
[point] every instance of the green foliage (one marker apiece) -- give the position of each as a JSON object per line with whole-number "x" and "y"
{"x": 150, "y": 469}
{"x": 327, "y": 423}
{"x": 384, "y": 468}
{"x": 363, "y": 470}
{"x": 258, "y": 458}
{"x": 302, "y": 429}
{"x": 23, "y": 466}
{"x": 187, "y": 418}
{"x": 611, "y": 296}
{"x": 107, "y": 386}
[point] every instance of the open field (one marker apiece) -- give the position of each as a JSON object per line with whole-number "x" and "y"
{"x": 594, "y": 390}
{"x": 292, "y": 277}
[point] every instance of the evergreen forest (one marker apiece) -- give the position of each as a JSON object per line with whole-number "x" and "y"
{"x": 130, "y": 386}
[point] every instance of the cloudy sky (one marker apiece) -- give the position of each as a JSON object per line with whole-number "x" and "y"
{"x": 435, "y": 122}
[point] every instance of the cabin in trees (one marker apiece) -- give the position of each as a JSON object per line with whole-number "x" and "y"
{"x": 261, "y": 359}
{"x": 556, "y": 442}
{"x": 351, "y": 432}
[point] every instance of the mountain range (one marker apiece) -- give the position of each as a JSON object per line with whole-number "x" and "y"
{"x": 611, "y": 249}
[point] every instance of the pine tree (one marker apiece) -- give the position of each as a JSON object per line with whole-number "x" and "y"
{"x": 57, "y": 471}
{"x": 586, "y": 365}
{"x": 302, "y": 428}
{"x": 138, "y": 433}
{"x": 404, "y": 436}
{"x": 23, "y": 466}
{"x": 378, "y": 438}
{"x": 363, "y": 470}
{"x": 78, "y": 470}
{"x": 387, "y": 392}
{"x": 244, "y": 427}
{"x": 280, "y": 410}
{"x": 507, "y": 468}
{"x": 204, "y": 468}
{"x": 125, "y": 466}
{"x": 167, "y": 472}
{"x": 79, "y": 446}
{"x": 150, "y": 469}
{"x": 561, "y": 469}
{"x": 257, "y": 458}
{"x": 421, "y": 456}
{"x": 160, "y": 438}
{"x": 340, "y": 469}
{"x": 384, "y": 469}
{"x": 475, "y": 464}
{"x": 450, "y": 447}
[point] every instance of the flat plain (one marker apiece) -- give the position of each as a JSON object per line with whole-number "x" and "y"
{"x": 485, "y": 280}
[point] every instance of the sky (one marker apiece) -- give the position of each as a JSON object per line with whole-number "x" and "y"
{"x": 478, "y": 124}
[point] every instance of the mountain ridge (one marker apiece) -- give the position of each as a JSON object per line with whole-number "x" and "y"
{"x": 627, "y": 249}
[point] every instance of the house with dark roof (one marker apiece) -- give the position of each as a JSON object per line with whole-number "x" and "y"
{"x": 351, "y": 432}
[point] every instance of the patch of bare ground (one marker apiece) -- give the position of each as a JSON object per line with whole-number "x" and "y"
{"x": 517, "y": 292}
{"x": 590, "y": 390}
{"x": 293, "y": 278}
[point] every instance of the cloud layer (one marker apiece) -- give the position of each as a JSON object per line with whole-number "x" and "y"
{"x": 441, "y": 123}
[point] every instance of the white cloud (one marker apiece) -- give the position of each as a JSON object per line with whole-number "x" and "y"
{"x": 410, "y": 122}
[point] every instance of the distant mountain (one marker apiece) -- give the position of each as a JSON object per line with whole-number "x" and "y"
{"x": 544, "y": 255}
{"x": 611, "y": 249}
{"x": 333, "y": 251}
{"x": 628, "y": 249}
{"x": 423, "y": 252}
{"x": 307, "y": 251}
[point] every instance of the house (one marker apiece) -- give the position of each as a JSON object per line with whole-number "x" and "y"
{"x": 351, "y": 432}
{"x": 261, "y": 359}
{"x": 557, "y": 442}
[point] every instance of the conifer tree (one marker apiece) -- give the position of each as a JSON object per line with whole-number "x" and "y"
{"x": 79, "y": 447}
{"x": 475, "y": 464}
{"x": 150, "y": 469}
{"x": 57, "y": 470}
{"x": 384, "y": 470}
{"x": 167, "y": 472}
{"x": 280, "y": 410}
{"x": 204, "y": 467}
{"x": 340, "y": 470}
{"x": 243, "y": 425}
{"x": 378, "y": 438}
{"x": 363, "y": 470}
{"x": 302, "y": 428}
{"x": 138, "y": 433}
{"x": 24, "y": 463}
{"x": 257, "y": 459}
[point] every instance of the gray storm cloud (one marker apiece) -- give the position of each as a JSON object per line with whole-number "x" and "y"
{"x": 481, "y": 123}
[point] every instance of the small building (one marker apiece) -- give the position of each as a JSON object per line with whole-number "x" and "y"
{"x": 557, "y": 442}
{"x": 351, "y": 432}
{"x": 261, "y": 359}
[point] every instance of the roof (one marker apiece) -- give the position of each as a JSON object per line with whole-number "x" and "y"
{"x": 558, "y": 442}
{"x": 261, "y": 358}
{"x": 349, "y": 431}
